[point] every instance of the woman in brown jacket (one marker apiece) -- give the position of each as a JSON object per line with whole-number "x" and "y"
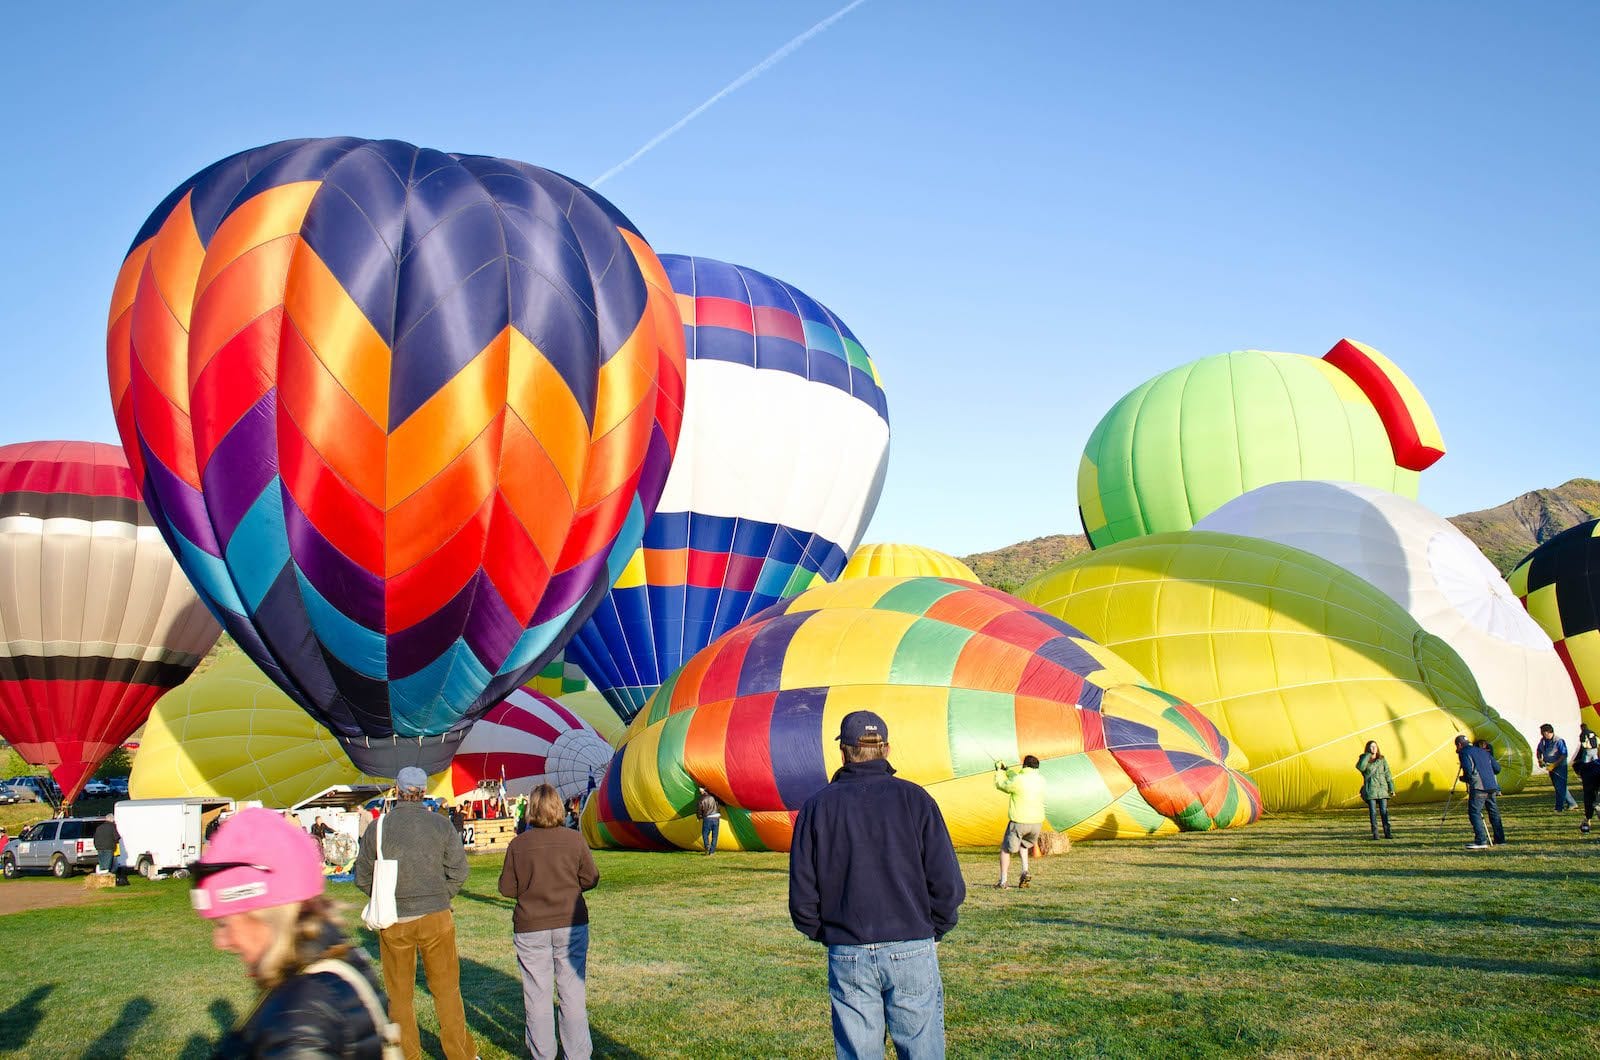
{"x": 547, "y": 869}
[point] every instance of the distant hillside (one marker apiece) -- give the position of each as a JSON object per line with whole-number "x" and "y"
{"x": 1008, "y": 568}
{"x": 1505, "y": 534}
{"x": 1510, "y": 531}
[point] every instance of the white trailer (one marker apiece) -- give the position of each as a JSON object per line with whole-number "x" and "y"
{"x": 164, "y": 835}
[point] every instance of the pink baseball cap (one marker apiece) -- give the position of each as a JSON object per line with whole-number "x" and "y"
{"x": 256, "y": 860}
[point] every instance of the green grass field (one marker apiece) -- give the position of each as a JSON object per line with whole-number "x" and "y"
{"x": 1296, "y": 936}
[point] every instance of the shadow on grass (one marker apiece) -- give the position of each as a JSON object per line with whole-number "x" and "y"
{"x": 1378, "y": 870}
{"x": 1442, "y": 917}
{"x": 18, "y": 1022}
{"x": 113, "y": 1041}
{"x": 199, "y": 1047}
{"x": 1324, "y": 950}
{"x": 495, "y": 1015}
{"x": 486, "y": 899}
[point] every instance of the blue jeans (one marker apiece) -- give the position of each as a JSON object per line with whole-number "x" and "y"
{"x": 1377, "y": 808}
{"x": 1558, "y": 780}
{"x": 709, "y": 828}
{"x": 887, "y": 982}
{"x": 1477, "y": 801}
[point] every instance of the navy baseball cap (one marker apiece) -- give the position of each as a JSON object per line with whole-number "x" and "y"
{"x": 859, "y": 725}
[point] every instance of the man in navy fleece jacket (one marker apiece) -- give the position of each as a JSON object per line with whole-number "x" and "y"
{"x": 873, "y": 876}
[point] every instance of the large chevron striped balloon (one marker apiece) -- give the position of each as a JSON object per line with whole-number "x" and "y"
{"x": 401, "y": 414}
{"x": 784, "y": 449}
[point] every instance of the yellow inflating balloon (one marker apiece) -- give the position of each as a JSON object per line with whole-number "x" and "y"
{"x": 1296, "y": 660}
{"x": 592, "y": 707}
{"x": 904, "y": 561}
{"x": 231, "y": 733}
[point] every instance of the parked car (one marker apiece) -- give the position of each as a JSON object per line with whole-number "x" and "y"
{"x": 9, "y": 795}
{"x": 60, "y": 847}
{"x": 34, "y": 789}
{"x": 97, "y": 789}
{"x": 118, "y": 786}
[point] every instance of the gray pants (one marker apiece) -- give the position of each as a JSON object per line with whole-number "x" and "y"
{"x": 556, "y": 958}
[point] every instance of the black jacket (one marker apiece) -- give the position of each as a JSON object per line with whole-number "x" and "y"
{"x": 872, "y": 862}
{"x": 105, "y": 837}
{"x": 310, "y": 1017}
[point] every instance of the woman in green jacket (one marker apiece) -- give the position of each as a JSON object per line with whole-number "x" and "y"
{"x": 1377, "y": 787}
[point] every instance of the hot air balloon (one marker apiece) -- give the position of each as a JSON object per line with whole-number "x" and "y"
{"x": 783, "y": 453}
{"x": 1188, "y": 441}
{"x": 963, "y": 676}
{"x": 1297, "y": 661}
{"x": 904, "y": 561}
{"x": 528, "y": 740}
{"x": 98, "y": 620}
{"x": 1424, "y": 564}
{"x": 559, "y": 677}
{"x": 231, "y": 733}
{"x": 1559, "y": 584}
{"x": 402, "y": 416}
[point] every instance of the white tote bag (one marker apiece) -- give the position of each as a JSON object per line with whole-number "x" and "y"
{"x": 380, "y": 910}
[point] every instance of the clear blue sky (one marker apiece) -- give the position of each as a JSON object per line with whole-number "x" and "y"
{"x": 1023, "y": 210}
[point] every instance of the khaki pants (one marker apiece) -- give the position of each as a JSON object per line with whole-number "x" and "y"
{"x": 434, "y": 936}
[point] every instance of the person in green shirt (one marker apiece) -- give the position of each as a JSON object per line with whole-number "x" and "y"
{"x": 1377, "y": 787}
{"x": 1026, "y": 788}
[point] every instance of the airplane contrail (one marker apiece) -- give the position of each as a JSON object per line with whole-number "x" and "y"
{"x": 732, "y": 86}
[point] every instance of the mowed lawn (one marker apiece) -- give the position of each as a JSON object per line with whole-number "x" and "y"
{"x": 1295, "y": 936}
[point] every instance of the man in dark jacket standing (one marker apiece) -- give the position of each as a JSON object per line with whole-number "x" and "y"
{"x": 433, "y": 866}
{"x": 1478, "y": 769}
{"x": 873, "y": 876}
{"x": 105, "y": 844}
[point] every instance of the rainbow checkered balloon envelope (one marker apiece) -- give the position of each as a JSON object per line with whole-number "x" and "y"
{"x": 401, "y": 414}
{"x": 963, "y": 676}
{"x": 1559, "y": 584}
{"x": 783, "y": 453}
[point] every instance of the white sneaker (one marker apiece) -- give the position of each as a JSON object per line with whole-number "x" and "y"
{"x": 1477, "y": 846}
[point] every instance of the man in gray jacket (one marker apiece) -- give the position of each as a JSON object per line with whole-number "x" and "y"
{"x": 433, "y": 866}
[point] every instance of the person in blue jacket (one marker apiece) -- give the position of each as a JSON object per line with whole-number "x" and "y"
{"x": 874, "y": 877}
{"x": 1551, "y": 753}
{"x": 1478, "y": 769}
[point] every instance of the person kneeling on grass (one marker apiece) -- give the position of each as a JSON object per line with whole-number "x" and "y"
{"x": 261, "y": 885}
{"x": 1026, "y": 788}
{"x": 547, "y": 869}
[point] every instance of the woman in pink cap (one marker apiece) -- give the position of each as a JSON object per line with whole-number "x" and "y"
{"x": 260, "y": 884}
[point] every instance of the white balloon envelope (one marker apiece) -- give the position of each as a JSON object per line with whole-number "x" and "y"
{"x": 1433, "y": 570}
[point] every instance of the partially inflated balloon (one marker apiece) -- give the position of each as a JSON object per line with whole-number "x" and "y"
{"x": 231, "y": 733}
{"x": 1434, "y": 571}
{"x": 528, "y": 740}
{"x": 1559, "y": 584}
{"x": 784, "y": 448}
{"x": 1188, "y": 441}
{"x": 96, "y": 619}
{"x": 904, "y": 561}
{"x": 1298, "y": 661}
{"x": 962, "y": 675}
{"x": 402, "y": 415}
{"x": 596, "y": 711}
{"x": 559, "y": 677}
